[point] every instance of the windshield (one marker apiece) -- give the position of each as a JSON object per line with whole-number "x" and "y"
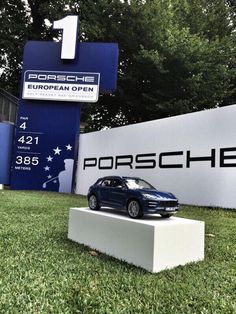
{"x": 137, "y": 184}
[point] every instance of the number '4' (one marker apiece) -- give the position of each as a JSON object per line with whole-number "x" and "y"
{"x": 23, "y": 126}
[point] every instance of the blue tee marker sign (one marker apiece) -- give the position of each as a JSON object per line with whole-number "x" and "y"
{"x": 55, "y": 82}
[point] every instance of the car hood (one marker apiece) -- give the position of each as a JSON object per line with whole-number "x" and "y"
{"x": 160, "y": 195}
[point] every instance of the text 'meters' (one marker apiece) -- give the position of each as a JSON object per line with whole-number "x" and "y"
{"x": 61, "y": 86}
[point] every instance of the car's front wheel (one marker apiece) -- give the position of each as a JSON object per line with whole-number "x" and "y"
{"x": 134, "y": 209}
{"x": 93, "y": 202}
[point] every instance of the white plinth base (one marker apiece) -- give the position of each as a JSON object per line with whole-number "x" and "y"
{"x": 1, "y": 186}
{"x": 153, "y": 243}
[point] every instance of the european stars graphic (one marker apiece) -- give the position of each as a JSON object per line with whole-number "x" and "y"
{"x": 57, "y": 151}
{"x": 68, "y": 147}
{"x": 49, "y": 158}
{"x": 60, "y": 152}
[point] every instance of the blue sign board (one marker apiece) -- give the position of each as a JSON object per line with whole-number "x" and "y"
{"x": 6, "y": 141}
{"x": 48, "y": 124}
{"x": 46, "y": 143}
{"x": 99, "y": 58}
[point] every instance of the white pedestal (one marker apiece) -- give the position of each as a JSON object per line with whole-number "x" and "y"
{"x": 1, "y": 186}
{"x": 153, "y": 243}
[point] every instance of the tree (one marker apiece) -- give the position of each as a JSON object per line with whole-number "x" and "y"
{"x": 12, "y": 35}
{"x": 181, "y": 59}
{"x": 176, "y": 56}
{"x": 23, "y": 20}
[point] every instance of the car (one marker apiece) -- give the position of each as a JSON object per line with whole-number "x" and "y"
{"x": 133, "y": 194}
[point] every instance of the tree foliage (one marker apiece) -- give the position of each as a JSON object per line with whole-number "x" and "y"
{"x": 176, "y": 56}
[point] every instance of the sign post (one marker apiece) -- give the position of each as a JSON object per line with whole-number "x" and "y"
{"x": 56, "y": 78}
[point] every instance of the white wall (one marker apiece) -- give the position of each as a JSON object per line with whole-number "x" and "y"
{"x": 203, "y": 183}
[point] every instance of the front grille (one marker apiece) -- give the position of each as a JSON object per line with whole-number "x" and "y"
{"x": 163, "y": 204}
{"x": 168, "y": 203}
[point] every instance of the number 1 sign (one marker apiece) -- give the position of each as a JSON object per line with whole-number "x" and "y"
{"x": 69, "y": 25}
{"x": 56, "y": 78}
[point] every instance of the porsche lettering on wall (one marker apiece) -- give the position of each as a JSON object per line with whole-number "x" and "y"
{"x": 227, "y": 158}
{"x": 192, "y": 155}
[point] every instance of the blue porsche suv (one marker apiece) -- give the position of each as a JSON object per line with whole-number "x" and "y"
{"x": 133, "y": 194}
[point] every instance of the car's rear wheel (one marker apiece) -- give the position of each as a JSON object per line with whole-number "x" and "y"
{"x": 166, "y": 215}
{"x": 93, "y": 202}
{"x": 134, "y": 209}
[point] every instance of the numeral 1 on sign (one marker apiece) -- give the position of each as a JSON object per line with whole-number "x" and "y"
{"x": 70, "y": 27}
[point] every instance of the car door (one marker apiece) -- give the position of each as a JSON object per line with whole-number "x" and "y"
{"x": 117, "y": 193}
{"x": 104, "y": 191}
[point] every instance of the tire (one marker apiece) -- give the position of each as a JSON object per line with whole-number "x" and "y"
{"x": 134, "y": 209}
{"x": 93, "y": 202}
{"x": 166, "y": 215}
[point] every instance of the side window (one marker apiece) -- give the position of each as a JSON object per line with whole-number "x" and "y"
{"x": 117, "y": 183}
{"x": 106, "y": 182}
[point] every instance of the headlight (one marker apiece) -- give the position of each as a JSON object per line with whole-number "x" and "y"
{"x": 149, "y": 197}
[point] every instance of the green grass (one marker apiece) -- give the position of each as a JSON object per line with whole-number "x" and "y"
{"x": 41, "y": 271}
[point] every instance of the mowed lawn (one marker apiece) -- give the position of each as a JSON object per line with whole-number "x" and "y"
{"x": 41, "y": 271}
